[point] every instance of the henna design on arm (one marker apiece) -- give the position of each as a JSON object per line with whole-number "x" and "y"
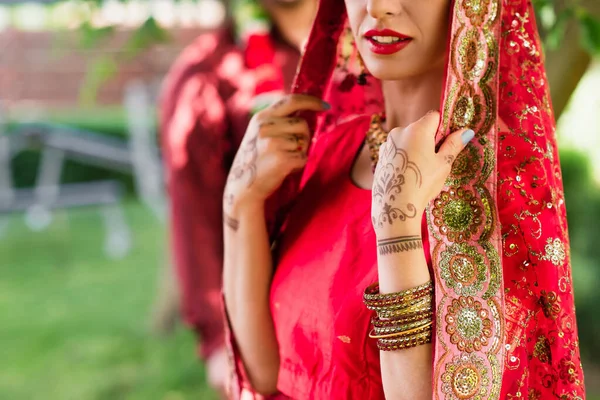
{"x": 399, "y": 244}
{"x": 244, "y": 165}
{"x": 231, "y": 222}
{"x": 243, "y": 168}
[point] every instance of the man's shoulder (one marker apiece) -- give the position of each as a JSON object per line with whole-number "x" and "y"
{"x": 199, "y": 63}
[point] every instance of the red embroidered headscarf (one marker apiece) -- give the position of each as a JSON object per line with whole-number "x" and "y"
{"x": 505, "y": 325}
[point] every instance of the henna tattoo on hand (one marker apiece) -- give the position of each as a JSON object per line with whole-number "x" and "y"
{"x": 243, "y": 168}
{"x": 244, "y": 165}
{"x": 449, "y": 159}
{"x": 231, "y": 222}
{"x": 399, "y": 244}
{"x": 390, "y": 176}
{"x": 390, "y": 214}
{"x": 279, "y": 103}
{"x": 266, "y": 123}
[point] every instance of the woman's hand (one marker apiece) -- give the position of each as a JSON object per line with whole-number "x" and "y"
{"x": 274, "y": 146}
{"x": 410, "y": 174}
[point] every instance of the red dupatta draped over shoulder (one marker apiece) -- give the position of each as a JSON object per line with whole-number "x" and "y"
{"x": 505, "y": 324}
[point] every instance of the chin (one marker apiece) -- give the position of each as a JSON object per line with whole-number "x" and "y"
{"x": 392, "y": 71}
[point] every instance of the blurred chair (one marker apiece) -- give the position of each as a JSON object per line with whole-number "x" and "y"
{"x": 145, "y": 159}
{"x": 56, "y": 144}
{"x": 138, "y": 155}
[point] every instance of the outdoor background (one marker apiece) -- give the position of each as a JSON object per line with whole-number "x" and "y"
{"x": 87, "y": 310}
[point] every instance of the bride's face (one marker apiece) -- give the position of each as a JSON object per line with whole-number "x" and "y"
{"x": 400, "y": 39}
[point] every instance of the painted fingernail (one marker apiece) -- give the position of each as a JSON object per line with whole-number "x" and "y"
{"x": 326, "y": 105}
{"x": 467, "y": 136}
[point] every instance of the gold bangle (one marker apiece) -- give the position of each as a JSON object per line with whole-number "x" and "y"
{"x": 403, "y": 319}
{"x": 423, "y": 305}
{"x": 403, "y": 333}
{"x": 400, "y": 327}
{"x": 410, "y": 301}
{"x": 405, "y": 339}
{"x": 413, "y": 341}
{"x": 371, "y": 293}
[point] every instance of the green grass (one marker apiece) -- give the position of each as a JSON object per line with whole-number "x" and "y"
{"x": 74, "y": 324}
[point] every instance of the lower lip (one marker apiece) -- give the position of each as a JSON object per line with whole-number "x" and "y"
{"x": 387, "y": 48}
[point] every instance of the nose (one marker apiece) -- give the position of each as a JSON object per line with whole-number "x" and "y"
{"x": 380, "y": 9}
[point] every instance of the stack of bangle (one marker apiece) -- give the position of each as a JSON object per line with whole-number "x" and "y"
{"x": 404, "y": 319}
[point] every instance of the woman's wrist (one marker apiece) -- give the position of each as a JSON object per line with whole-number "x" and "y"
{"x": 408, "y": 227}
{"x": 244, "y": 204}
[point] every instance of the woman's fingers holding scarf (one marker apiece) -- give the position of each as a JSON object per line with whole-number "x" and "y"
{"x": 293, "y": 103}
{"x": 428, "y": 124}
{"x": 282, "y": 127}
{"x": 454, "y": 144}
{"x": 290, "y": 143}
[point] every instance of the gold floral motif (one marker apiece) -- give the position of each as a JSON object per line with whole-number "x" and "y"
{"x": 467, "y": 110}
{"x": 476, "y": 10}
{"x": 458, "y": 214}
{"x": 466, "y": 377}
{"x": 541, "y": 350}
{"x": 567, "y": 370}
{"x": 469, "y": 325}
{"x": 465, "y": 167}
{"x": 472, "y": 55}
{"x": 554, "y": 252}
{"x": 534, "y": 394}
{"x": 549, "y": 303}
{"x": 463, "y": 269}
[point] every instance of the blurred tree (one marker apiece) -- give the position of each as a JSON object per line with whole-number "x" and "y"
{"x": 571, "y": 33}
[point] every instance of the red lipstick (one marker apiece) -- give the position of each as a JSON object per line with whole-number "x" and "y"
{"x": 389, "y": 42}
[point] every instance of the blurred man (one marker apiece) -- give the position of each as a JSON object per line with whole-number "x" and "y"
{"x": 208, "y": 98}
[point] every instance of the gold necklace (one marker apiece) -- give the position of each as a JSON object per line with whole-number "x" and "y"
{"x": 376, "y": 136}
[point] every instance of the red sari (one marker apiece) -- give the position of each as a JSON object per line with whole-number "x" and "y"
{"x": 497, "y": 234}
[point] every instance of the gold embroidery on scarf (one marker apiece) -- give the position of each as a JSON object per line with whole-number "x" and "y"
{"x": 463, "y": 269}
{"x": 476, "y": 10}
{"x": 517, "y": 318}
{"x": 495, "y": 271}
{"x": 462, "y": 219}
{"x": 466, "y": 377}
{"x": 488, "y": 209}
{"x": 467, "y": 109}
{"x": 462, "y": 169}
{"x": 549, "y": 303}
{"x": 458, "y": 214}
{"x": 541, "y": 350}
{"x": 555, "y": 252}
{"x": 472, "y": 55}
{"x": 468, "y": 324}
